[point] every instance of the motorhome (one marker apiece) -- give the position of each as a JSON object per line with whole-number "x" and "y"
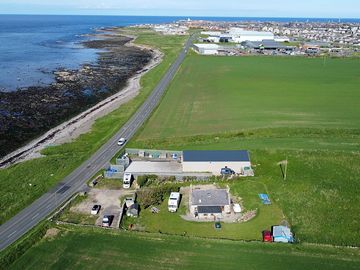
{"x": 127, "y": 180}
{"x": 173, "y": 202}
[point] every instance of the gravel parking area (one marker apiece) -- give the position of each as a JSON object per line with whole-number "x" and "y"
{"x": 149, "y": 167}
{"x": 109, "y": 201}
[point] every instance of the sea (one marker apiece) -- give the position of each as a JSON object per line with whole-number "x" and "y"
{"x": 33, "y": 46}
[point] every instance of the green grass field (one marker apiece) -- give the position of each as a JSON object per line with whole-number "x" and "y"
{"x": 224, "y": 94}
{"x": 43, "y": 173}
{"x": 305, "y": 110}
{"x": 97, "y": 249}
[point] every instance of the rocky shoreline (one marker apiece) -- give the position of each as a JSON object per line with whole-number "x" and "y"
{"x": 30, "y": 112}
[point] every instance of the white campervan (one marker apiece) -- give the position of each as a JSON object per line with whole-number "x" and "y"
{"x": 127, "y": 180}
{"x": 173, "y": 202}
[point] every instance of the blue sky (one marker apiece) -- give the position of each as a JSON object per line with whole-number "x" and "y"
{"x": 222, "y": 8}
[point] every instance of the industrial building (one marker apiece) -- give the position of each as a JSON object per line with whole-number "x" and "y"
{"x": 199, "y": 164}
{"x": 239, "y": 35}
{"x": 266, "y": 45}
{"x": 207, "y": 49}
{"x": 215, "y": 161}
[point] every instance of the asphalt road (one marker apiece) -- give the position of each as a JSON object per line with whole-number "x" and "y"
{"x": 28, "y": 218}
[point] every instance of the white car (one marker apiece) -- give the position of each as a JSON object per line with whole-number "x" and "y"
{"x": 95, "y": 209}
{"x": 107, "y": 220}
{"x": 121, "y": 141}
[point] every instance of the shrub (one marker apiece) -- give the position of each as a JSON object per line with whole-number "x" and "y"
{"x": 155, "y": 196}
{"x": 141, "y": 180}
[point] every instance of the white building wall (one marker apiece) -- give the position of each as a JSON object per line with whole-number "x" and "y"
{"x": 251, "y": 38}
{"x": 209, "y": 52}
{"x": 214, "y": 167}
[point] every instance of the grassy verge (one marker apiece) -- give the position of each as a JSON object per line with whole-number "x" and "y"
{"x": 43, "y": 173}
{"x": 16, "y": 250}
{"x": 78, "y": 248}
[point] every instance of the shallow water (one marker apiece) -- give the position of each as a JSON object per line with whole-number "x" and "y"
{"x": 32, "y": 46}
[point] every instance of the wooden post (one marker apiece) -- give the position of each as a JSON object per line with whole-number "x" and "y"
{"x": 283, "y": 171}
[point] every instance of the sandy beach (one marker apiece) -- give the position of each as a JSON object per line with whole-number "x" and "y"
{"x": 82, "y": 123}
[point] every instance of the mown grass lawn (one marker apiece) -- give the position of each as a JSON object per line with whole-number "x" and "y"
{"x": 247, "y": 190}
{"x": 96, "y": 249}
{"x": 43, "y": 173}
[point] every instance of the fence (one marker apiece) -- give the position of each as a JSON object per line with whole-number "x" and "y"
{"x": 155, "y": 154}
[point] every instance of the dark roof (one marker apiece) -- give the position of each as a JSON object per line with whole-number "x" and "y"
{"x": 220, "y": 156}
{"x": 267, "y": 44}
{"x": 209, "y": 197}
{"x": 134, "y": 206}
{"x": 209, "y": 210}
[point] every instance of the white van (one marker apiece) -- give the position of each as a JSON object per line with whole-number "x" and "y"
{"x": 173, "y": 202}
{"x": 127, "y": 180}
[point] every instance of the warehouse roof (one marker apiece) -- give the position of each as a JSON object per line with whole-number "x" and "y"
{"x": 219, "y": 156}
{"x": 242, "y": 32}
{"x": 210, "y": 197}
{"x": 267, "y": 44}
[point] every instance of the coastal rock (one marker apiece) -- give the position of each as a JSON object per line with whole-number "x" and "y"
{"x": 27, "y": 113}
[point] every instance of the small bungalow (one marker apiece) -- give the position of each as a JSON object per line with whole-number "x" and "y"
{"x": 209, "y": 203}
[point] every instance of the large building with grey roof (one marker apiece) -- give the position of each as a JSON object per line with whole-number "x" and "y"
{"x": 215, "y": 161}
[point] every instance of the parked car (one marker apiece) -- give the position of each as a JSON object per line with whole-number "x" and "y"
{"x": 107, "y": 220}
{"x": 95, "y": 209}
{"x": 121, "y": 141}
{"x": 227, "y": 171}
{"x": 267, "y": 236}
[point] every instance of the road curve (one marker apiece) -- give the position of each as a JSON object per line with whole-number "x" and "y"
{"x": 29, "y": 217}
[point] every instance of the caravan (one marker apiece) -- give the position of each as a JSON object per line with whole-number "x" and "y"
{"x": 173, "y": 202}
{"x": 127, "y": 180}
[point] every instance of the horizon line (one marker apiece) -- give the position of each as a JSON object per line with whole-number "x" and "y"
{"x": 178, "y": 16}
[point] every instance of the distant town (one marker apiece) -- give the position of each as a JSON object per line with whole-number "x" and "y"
{"x": 334, "y": 39}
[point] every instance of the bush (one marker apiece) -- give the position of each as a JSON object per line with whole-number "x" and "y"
{"x": 142, "y": 180}
{"x": 149, "y": 196}
{"x": 155, "y": 196}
